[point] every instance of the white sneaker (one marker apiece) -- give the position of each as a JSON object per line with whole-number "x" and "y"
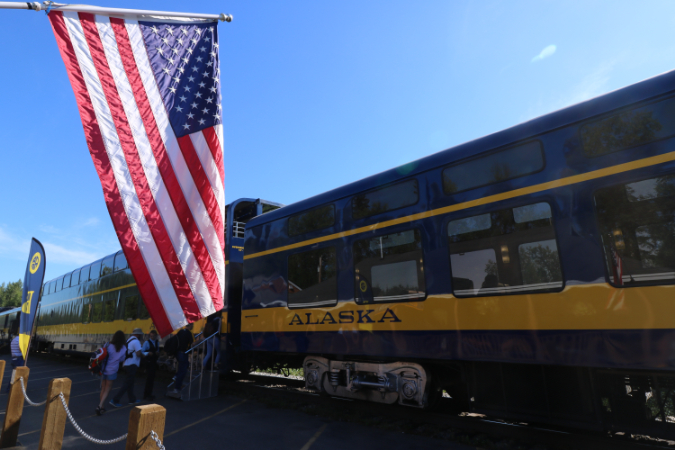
{"x": 175, "y": 393}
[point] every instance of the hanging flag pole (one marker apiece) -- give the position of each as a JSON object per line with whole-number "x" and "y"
{"x": 119, "y": 12}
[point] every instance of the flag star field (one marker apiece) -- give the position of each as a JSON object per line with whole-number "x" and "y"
{"x": 184, "y": 59}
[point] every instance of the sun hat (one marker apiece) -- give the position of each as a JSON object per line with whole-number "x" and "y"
{"x": 137, "y": 331}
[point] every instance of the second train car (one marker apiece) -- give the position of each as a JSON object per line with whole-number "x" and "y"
{"x": 529, "y": 273}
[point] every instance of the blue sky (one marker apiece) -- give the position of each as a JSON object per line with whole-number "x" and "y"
{"x": 318, "y": 94}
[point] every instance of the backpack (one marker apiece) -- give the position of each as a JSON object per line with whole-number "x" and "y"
{"x": 171, "y": 345}
{"x": 128, "y": 355}
{"x": 98, "y": 361}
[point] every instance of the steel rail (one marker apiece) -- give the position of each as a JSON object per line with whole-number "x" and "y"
{"x": 493, "y": 427}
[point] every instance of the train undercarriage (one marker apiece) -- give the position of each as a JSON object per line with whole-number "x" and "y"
{"x": 594, "y": 399}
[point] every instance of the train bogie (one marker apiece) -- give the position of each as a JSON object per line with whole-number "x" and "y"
{"x": 403, "y": 382}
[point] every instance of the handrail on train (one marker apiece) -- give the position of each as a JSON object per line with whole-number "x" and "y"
{"x": 201, "y": 342}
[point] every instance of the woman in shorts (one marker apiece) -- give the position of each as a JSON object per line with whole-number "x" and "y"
{"x": 117, "y": 350}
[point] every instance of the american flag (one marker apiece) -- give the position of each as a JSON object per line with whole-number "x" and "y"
{"x": 148, "y": 93}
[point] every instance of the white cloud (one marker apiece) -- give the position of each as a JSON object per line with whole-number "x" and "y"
{"x": 545, "y": 53}
{"x": 49, "y": 229}
{"x": 92, "y": 221}
{"x": 65, "y": 251}
{"x": 593, "y": 84}
{"x": 75, "y": 257}
{"x": 13, "y": 247}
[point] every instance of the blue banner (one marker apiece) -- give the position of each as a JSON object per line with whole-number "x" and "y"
{"x": 32, "y": 292}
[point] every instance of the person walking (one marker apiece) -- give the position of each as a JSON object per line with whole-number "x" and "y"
{"x": 131, "y": 363}
{"x": 185, "y": 340}
{"x": 150, "y": 351}
{"x": 211, "y": 360}
{"x": 116, "y": 353}
{"x": 17, "y": 358}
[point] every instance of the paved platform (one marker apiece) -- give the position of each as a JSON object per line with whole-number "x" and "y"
{"x": 217, "y": 423}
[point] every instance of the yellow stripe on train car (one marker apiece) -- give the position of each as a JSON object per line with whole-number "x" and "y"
{"x": 109, "y": 328}
{"x": 579, "y": 307}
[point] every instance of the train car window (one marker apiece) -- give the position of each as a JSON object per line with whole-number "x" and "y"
{"x": 120, "y": 262}
{"x": 629, "y": 128}
{"x": 86, "y": 310}
{"x": 96, "y": 310}
{"x": 65, "y": 281}
{"x": 267, "y": 208}
{"x": 131, "y": 307}
{"x": 312, "y": 278}
{"x": 107, "y": 265}
{"x": 389, "y": 268}
{"x": 516, "y": 253}
{"x": 651, "y": 189}
{"x": 75, "y": 280}
{"x": 244, "y": 212}
{"x": 109, "y": 308}
{"x": 143, "y": 314}
{"x": 637, "y": 227}
{"x": 503, "y": 165}
{"x": 95, "y": 271}
{"x": 84, "y": 274}
{"x": 385, "y": 199}
{"x": 475, "y": 223}
{"x": 315, "y": 219}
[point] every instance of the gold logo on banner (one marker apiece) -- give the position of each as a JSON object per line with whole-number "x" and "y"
{"x": 25, "y": 308}
{"x": 35, "y": 263}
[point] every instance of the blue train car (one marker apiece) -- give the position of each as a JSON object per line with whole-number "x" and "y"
{"x": 529, "y": 273}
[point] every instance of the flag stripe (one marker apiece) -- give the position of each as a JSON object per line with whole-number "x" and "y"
{"x": 202, "y": 183}
{"x": 187, "y": 185}
{"x": 104, "y": 169}
{"x": 169, "y": 193}
{"x": 126, "y": 118}
{"x": 137, "y": 221}
{"x": 217, "y": 154}
{"x": 210, "y": 167}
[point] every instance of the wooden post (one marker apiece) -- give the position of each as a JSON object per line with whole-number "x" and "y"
{"x": 2, "y": 370}
{"x": 55, "y": 418}
{"x": 143, "y": 420}
{"x": 10, "y": 429}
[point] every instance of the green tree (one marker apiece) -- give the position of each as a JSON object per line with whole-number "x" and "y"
{"x": 539, "y": 264}
{"x": 10, "y": 293}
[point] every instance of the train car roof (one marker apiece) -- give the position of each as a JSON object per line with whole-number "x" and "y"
{"x": 10, "y": 311}
{"x": 619, "y": 98}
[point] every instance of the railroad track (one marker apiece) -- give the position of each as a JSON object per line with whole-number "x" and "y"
{"x": 481, "y": 431}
